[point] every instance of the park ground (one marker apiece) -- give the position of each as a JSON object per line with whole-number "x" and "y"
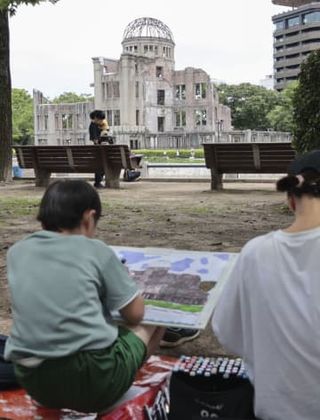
{"x": 156, "y": 214}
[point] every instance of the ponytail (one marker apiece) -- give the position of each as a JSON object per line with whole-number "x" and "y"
{"x": 306, "y": 183}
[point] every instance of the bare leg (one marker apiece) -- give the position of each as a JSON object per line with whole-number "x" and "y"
{"x": 149, "y": 334}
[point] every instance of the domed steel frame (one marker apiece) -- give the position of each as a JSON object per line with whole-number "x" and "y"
{"x": 147, "y": 27}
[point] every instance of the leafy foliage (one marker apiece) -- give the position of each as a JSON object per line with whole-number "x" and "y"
{"x": 281, "y": 116}
{"x": 11, "y": 6}
{"x": 306, "y": 105}
{"x": 250, "y": 105}
{"x": 7, "y": 7}
{"x": 22, "y": 116}
{"x": 71, "y": 97}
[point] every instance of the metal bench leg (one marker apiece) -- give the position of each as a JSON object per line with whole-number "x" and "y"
{"x": 216, "y": 180}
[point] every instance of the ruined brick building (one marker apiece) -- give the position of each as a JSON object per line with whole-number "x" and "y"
{"x": 148, "y": 103}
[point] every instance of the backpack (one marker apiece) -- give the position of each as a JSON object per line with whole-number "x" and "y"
{"x": 7, "y": 376}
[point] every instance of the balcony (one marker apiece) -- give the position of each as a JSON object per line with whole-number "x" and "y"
{"x": 288, "y": 62}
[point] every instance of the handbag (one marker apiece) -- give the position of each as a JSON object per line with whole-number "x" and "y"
{"x": 195, "y": 397}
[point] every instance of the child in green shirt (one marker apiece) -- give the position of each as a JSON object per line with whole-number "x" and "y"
{"x": 67, "y": 351}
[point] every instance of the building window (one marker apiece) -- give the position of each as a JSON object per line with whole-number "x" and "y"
{"x": 293, "y": 21}
{"x": 160, "y": 97}
{"x": 45, "y": 119}
{"x": 81, "y": 140}
{"x": 135, "y": 48}
{"x": 200, "y": 90}
{"x": 180, "y": 118}
{"x": 311, "y": 17}
{"x": 156, "y": 49}
{"x": 109, "y": 117}
{"x": 116, "y": 117}
{"x": 159, "y": 72}
{"x": 42, "y": 142}
{"x": 279, "y": 25}
{"x": 109, "y": 89}
{"x": 116, "y": 90}
{"x": 134, "y": 144}
{"x": 56, "y": 122}
{"x": 137, "y": 89}
{"x": 161, "y": 124}
{"x": 137, "y": 117}
{"x": 104, "y": 91}
{"x": 180, "y": 91}
{"x": 67, "y": 121}
{"x": 201, "y": 117}
{"x": 145, "y": 48}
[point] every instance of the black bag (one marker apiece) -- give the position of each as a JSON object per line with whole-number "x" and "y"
{"x": 7, "y": 376}
{"x": 199, "y": 397}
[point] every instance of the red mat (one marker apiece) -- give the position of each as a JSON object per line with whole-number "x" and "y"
{"x": 153, "y": 374}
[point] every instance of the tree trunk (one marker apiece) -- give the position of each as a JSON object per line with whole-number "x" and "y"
{"x": 5, "y": 101}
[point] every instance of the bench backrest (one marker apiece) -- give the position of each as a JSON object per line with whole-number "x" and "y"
{"x": 249, "y": 157}
{"x": 73, "y": 158}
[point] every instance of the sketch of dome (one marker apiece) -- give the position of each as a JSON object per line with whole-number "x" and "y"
{"x": 147, "y": 27}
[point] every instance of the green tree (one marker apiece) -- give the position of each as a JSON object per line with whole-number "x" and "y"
{"x": 71, "y": 97}
{"x": 281, "y": 116}
{"x": 250, "y": 105}
{"x": 306, "y": 105}
{"x": 22, "y": 116}
{"x": 7, "y": 7}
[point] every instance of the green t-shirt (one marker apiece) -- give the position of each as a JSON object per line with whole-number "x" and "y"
{"x": 63, "y": 288}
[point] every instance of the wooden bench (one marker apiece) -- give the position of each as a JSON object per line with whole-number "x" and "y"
{"x": 109, "y": 159}
{"x": 264, "y": 158}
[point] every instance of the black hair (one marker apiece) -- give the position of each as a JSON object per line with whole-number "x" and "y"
{"x": 92, "y": 115}
{"x": 310, "y": 184}
{"x": 65, "y": 202}
{"x": 97, "y": 113}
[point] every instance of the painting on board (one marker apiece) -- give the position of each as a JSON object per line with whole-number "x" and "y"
{"x": 180, "y": 288}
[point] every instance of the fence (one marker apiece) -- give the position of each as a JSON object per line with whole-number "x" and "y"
{"x": 178, "y": 140}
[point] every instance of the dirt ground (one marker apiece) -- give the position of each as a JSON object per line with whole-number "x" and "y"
{"x": 156, "y": 214}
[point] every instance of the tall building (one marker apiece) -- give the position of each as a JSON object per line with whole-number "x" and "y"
{"x": 296, "y": 34}
{"x": 143, "y": 94}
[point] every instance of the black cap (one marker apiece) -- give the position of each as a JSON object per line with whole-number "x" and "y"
{"x": 309, "y": 161}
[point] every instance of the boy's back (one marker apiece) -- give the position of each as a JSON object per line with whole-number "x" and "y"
{"x": 71, "y": 281}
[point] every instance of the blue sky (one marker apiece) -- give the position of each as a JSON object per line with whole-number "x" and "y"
{"x": 52, "y": 46}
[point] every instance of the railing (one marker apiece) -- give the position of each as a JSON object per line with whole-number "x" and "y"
{"x": 195, "y": 139}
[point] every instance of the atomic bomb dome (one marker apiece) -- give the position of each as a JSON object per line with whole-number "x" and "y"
{"x": 148, "y": 103}
{"x": 147, "y": 27}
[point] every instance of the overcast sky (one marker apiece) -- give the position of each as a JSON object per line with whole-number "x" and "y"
{"x": 52, "y": 45}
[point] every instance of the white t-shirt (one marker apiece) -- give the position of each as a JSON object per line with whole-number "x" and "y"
{"x": 269, "y": 314}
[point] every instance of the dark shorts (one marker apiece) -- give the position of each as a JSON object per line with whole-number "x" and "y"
{"x": 88, "y": 381}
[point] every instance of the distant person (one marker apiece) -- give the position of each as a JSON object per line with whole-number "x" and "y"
{"x": 98, "y": 133}
{"x": 269, "y": 311}
{"x": 67, "y": 350}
